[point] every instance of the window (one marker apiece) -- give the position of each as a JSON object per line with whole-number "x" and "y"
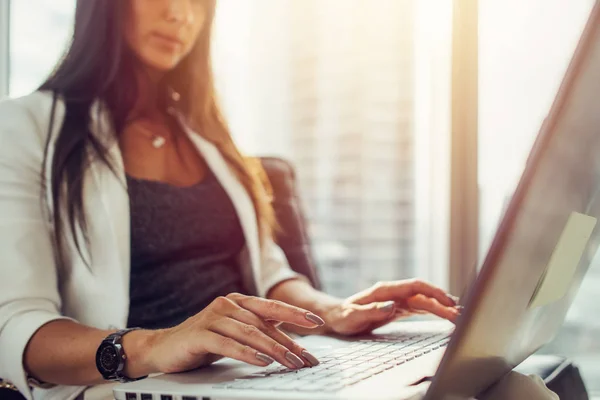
{"x": 525, "y": 49}
{"x": 39, "y": 33}
{"x": 352, "y": 92}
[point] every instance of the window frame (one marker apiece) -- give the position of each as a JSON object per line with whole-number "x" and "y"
{"x": 464, "y": 153}
{"x": 4, "y": 47}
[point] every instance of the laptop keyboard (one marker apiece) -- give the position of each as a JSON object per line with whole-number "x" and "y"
{"x": 345, "y": 366}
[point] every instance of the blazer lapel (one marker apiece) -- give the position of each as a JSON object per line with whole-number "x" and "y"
{"x": 110, "y": 248}
{"x": 238, "y": 195}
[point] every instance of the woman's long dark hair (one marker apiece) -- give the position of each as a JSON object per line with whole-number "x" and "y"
{"x": 100, "y": 66}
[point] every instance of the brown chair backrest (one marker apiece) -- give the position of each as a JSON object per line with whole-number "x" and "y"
{"x": 293, "y": 239}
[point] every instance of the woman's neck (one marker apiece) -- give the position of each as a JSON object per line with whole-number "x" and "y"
{"x": 148, "y": 97}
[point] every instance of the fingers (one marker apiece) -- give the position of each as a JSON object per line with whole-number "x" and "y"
{"x": 360, "y": 317}
{"x": 380, "y": 311}
{"x": 253, "y": 337}
{"x": 417, "y": 287}
{"x": 248, "y": 318}
{"x": 254, "y": 321}
{"x": 424, "y": 303}
{"x": 277, "y": 311}
{"x": 308, "y": 359}
{"x": 225, "y": 346}
{"x": 401, "y": 290}
{"x": 372, "y": 316}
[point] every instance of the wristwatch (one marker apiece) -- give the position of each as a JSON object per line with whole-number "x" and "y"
{"x": 111, "y": 358}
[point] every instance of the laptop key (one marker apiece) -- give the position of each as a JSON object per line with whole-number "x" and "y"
{"x": 328, "y": 373}
{"x": 352, "y": 371}
{"x": 311, "y": 386}
{"x": 365, "y": 358}
{"x": 265, "y": 384}
{"x": 326, "y": 359}
{"x": 352, "y": 380}
{"x": 330, "y": 380}
{"x": 356, "y": 361}
{"x": 379, "y": 369}
{"x": 400, "y": 361}
{"x": 364, "y": 375}
{"x": 241, "y": 384}
{"x": 333, "y": 388}
{"x": 290, "y": 385}
{"x": 319, "y": 368}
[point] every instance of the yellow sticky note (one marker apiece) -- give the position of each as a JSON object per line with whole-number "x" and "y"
{"x": 558, "y": 276}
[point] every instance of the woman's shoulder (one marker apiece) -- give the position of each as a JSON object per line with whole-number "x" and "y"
{"x": 26, "y": 119}
{"x": 36, "y": 103}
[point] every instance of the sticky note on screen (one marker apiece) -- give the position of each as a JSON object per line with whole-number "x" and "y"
{"x": 557, "y": 278}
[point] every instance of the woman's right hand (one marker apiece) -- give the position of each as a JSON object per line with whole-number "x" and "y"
{"x": 236, "y": 326}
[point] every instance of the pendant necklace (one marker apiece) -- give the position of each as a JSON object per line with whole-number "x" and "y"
{"x": 158, "y": 141}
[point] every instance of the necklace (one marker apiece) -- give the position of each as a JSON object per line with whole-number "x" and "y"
{"x": 158, "y": 141}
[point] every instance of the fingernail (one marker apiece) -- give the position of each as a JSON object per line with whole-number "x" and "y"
{"x": 454, "y": 298}
{"x": 311, "y": 359}
{"x": 294, "y": 359}
{"x": 315, "y": 319}
{"x": 387, "y": 307}
{"x": 264, "y": 358}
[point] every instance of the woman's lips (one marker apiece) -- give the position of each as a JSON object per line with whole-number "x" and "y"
{"x": 168, "y": 41}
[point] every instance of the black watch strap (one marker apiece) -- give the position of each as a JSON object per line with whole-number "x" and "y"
{"x": 117, "y": 336}
{"x": 115, "y": 340}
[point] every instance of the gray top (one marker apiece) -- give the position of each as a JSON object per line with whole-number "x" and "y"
{"x": 184, "y": 244}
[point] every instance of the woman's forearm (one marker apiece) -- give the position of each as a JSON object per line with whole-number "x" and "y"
{"x": 299, "y": 293}
{"x": 63, "y": 352}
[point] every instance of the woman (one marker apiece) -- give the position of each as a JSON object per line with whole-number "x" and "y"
{"x": 124, "y": 202}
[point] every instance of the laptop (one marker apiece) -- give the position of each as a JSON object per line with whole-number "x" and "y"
{"x": 544, "y": 245}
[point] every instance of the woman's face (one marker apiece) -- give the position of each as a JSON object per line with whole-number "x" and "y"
{"x": 162, "y": 32}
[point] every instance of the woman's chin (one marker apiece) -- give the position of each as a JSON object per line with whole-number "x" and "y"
{"x": 161, "y": 64}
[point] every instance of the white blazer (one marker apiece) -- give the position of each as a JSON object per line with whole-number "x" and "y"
{"x": 33, "y": 289}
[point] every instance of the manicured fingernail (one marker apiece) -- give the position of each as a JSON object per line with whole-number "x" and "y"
{"x": 311, "y": 359}
{"x": 264, "y": 358}
{"x": 315, "y": 319}
{"x": 294, "y": 359}
{"x": 453, "y": 298}
{"x": 387, "y": 306}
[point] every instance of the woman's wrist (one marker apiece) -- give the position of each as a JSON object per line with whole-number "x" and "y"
{"x": 330, "y": 314}
{"x": 137, "y": 346}
{"x": 327, "y": 307}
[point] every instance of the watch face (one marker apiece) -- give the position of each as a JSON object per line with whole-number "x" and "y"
{"x": 108, "y": 359}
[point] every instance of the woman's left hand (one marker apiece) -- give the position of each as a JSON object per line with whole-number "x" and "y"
{"x": 385, "y": 302}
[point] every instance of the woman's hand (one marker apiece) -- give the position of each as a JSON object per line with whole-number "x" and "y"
{"x": 386, "y": 302}
{"x": 237, "y": 326}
